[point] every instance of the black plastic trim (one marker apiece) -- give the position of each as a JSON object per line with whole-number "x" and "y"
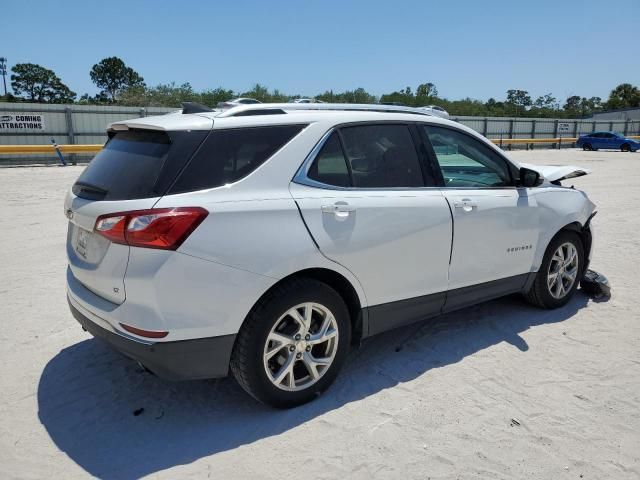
{"x": 194, "y": 107}
{"x": 251, "y": 113}
{"x": 180, "y": 360}
{"x": 587, "y": 239}
{"x": 307, "y": 226}
{"x": 531, "y": 277}
{"x": 482, "y": 292}
{"x": 388, "y": 316}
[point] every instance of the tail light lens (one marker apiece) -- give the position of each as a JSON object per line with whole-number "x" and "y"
{"x": 163, "y": 228}
{"x": 144, "y": 333}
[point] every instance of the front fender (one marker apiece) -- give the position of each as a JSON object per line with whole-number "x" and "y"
{"x": 560, "y": 207}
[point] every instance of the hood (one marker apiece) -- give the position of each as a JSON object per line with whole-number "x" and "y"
{"x": 555, "y": 173}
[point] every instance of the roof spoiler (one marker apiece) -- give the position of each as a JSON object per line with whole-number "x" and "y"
{"x": 194, "y": 107}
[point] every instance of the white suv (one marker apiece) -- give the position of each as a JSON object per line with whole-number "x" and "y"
{"x": 270, "y": 238}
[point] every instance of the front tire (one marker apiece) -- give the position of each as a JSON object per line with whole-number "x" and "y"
{"x": 292, "y": 344}
{"x": 625, "y": 147}
{"x": 560, "y": 272}
{"x": 586, "y": 147}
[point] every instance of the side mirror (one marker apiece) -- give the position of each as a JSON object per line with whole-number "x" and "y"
{"x": 529, "y": 178}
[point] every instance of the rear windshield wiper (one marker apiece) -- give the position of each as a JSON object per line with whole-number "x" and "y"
{"x": 88, "y": 191}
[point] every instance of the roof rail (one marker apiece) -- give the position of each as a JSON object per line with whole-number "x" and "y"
{"x": 274, "y": 108}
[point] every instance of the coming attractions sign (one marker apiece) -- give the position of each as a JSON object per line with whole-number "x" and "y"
{"x": 12, "y": 122}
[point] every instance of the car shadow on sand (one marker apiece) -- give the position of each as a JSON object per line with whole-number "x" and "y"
{"x": 117, "y": 421}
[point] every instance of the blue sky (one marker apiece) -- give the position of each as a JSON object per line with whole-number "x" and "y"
{"x": 467, "y": 48}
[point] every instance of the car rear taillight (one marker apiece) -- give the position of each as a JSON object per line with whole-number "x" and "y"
{"x": 164, "y": 228}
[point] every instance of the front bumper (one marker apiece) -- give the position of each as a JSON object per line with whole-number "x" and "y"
{"x": 178, "y": 360}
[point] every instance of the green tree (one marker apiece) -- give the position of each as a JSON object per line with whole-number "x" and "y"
{"x": 546, "y": 101}
{"x": 427, "y": 90}
{"x": 466, "y": 106}
{"x": 544, "y": 106}
{"x": 572, "y": 106}
{"x": 214, "y": 96}
{"x": 623, "y": 96}
{"x": 133, "y": 96}
{"x": 577, "y": 106}
{"x": 589, "y": 105}
{"x": 98, "y": 99}
{"x": 519, "y": 100}
{"x": 258, "y": 92}
{"x": 494, "y": 108}
{"x": 359, "y": 95}
{"x": 404, "y": 97}
{"x": 39, "y": 84}
{"x": 327, "y": 96}
{"x": 279, "y": 97}
{"x": 262, "y": 94}
{"x": 113, "y": 76}
{"x": 9, "y": 98}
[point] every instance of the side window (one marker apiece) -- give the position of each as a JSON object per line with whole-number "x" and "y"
{"x": 330, "y": 166}
{"x": 227, "y": 155}
{"x": 465, "y": 161}
{"x": 382, "y": 156}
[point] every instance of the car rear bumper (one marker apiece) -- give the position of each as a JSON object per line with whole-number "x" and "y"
{"x": 179, "y": 360}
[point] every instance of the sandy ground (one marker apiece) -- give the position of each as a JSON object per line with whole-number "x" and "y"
{"x": 501, "y": 390}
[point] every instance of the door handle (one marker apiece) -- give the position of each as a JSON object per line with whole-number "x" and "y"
{"x": 339, "y": 210}
{"x": 466, "y": 204}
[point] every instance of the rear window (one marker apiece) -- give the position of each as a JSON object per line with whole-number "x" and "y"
{"x": 228, "y": 155}
{"x": 137, "y": 164}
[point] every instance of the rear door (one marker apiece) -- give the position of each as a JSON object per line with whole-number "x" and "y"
{"x": 372, "y": 206}
{"x": 495, "y": 223}
{"x": 132, "y": 171}
{"x": 598, "y": 140}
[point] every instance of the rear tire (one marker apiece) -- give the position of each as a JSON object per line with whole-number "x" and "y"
{"x": 586, "y": 147}
{"x": 560, "y": 272}
{"x": 292, "y": 344}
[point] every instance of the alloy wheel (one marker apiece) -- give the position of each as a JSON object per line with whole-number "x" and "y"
{"x": 563, "y": 270}
{"x": 301, "y": 346}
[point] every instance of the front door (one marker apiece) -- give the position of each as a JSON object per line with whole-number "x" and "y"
{"x": 613, "y": 141}
{"x": 495, "y": 223}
